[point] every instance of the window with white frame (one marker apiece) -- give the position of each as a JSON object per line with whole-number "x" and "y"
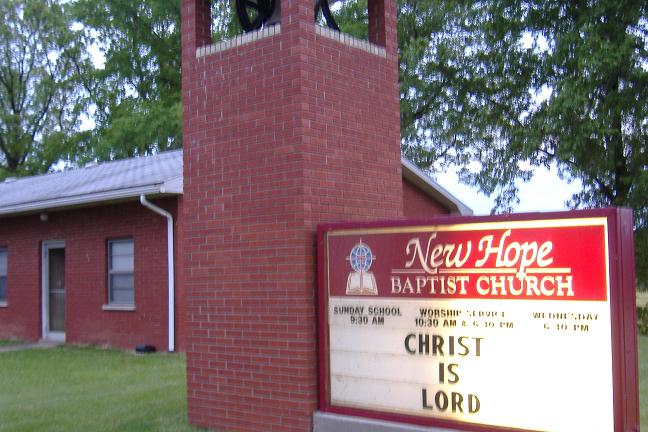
{"x": 121, "y": 281}
{"x": 3, "y": 275}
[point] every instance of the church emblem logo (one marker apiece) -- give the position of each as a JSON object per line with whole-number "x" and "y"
{"x": 361, "y": 281}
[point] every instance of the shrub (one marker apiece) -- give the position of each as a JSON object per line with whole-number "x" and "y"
{"x": 642, "y": 320}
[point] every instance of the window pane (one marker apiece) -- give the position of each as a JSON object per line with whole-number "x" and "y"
{"x": 57, "y": 311}
{"x": 122, "y": 281}
{"x": 122, "y": 297}
{"x": 122, "y": 263}
{"x": 121, "y": 289}
{"x": 3, "y": 288}
{"x": 3, "y": 262}
{"x": 122, "y": 247}
{"x": 121, "y": 255}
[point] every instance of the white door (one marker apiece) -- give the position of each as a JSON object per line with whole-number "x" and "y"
{"x": 53, "y": 282}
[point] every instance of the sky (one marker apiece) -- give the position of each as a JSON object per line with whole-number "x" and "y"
{"x": 545, "y": 192}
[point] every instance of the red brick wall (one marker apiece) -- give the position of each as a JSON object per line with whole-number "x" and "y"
{"x": 21, "y": 318}
{"x": 86, "y": 233}
{"x": 418, "y": 205}
{"x": 279, "y": 135}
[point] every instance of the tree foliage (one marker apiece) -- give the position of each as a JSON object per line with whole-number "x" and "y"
{"x": 41, "y": 93}
{"x": 137, "y": 91}
{"x": 224, "y": 22}
{"x": 501, "y": 87}
{"x": 510, "y": 85}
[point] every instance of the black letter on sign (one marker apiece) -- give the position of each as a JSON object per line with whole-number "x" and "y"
{"x": 473, "y": 404}
{"x": 424, "y": 397}
{"x": 407, "y": 346}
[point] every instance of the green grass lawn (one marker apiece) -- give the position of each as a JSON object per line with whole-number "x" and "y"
{"x": 7, "y": 342}
{"x": 88, "y": 389}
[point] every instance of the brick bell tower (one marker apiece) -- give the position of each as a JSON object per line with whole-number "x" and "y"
{"x": 283, "y": 128}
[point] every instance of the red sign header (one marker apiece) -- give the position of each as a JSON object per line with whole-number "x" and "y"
{"x": 486, "y": 261}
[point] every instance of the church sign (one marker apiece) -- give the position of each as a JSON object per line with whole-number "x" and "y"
{"x": 522, "y": 322}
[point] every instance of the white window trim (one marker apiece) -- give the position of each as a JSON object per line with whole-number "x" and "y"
{"x": 4, "y": 303}
{"x": 45, "y": 331}
{"x": 118, "y": 307}
{"x": 112, "y": 306}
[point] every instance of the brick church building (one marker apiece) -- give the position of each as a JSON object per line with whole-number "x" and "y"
{"x": 67, "y": 229}
{"x": 211, "y": 250}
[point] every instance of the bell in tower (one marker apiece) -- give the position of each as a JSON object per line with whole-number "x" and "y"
{"x": 256, "y": 14}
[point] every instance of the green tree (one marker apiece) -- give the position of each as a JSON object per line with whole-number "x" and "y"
{"x": 136, "y": 93}
{"x": 224, "y": 22}
{"x": 41, "y": 93}
{"x": 510, "y": 85}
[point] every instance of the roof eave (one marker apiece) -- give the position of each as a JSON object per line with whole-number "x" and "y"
{"x": 416, "y": 176}
{"x": 89, "y": 199}
{"x": 173, "y": 186}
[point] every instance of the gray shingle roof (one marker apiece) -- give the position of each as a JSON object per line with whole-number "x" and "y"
{"x": 156, "y": 175}
{"x": 159, "y": 174}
